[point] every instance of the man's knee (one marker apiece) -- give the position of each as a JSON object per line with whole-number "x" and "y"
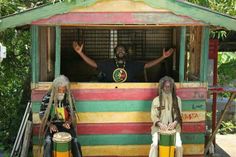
{"x": 155, "y": 139}
{"x": 178, "y": 142}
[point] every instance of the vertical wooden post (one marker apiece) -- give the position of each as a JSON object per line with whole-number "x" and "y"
{"x": 182, "y": 53}
{"x": 34, "y": 54}
{"x": 204, "y": 54}
{"x": 26, "y": 140}
{"x": 214, "y": 101}
{"x": 58, "y": 51}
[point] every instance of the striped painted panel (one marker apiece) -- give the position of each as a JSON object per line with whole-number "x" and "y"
{"x": 124, "y": 122}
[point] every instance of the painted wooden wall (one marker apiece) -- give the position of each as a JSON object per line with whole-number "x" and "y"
{"x": 114, "y": 119}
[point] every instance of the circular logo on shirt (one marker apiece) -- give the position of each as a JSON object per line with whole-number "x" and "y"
{"x": 120, "y": 75}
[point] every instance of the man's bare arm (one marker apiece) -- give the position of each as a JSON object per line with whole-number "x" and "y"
{"x": 78, "y": 48}
{"x": 154, "y": 62}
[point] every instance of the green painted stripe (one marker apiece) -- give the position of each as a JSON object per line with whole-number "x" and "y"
{"x": 61, "y": 147}
{"x": 118, "y": 139}
{"x": 193, "y": 138}
{"x": 58, "y": 52}
{"x": 206, "y": 52}
{"x": 130, "y": 139}
{"x": 111, "y": 106}
{"x": 193, "y": 105}
{"x": 122, "y": 106}
{"x": 106, "y": 106}
{"x": 36, "y": 106}
{"x": 167, "y": 140}
{"x": 34, "y": 54}
{"x": 182, "y": 53}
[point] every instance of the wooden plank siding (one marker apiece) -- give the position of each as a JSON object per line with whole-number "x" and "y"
{"x": 114, "y": 119}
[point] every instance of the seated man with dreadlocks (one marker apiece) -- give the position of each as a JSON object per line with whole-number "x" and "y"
{"x": 165, "y": 115}
{"x": 57, "y": 115}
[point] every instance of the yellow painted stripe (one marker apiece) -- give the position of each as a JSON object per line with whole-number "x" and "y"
{"x": 61, "y": 154}
{"x": 36, "y": 151}
{"x": 134, "y": 150}
{"x": 107, "y": 117}
{"x": 47, "y": 85}
{"x": 130, "y": 150}
{"x": 117, "y": 150}
{"x": 167, "y": 151}
{"x": 193, "y": 149}
{"x": 124, "y": 117}
{"x": 114, "y": 117}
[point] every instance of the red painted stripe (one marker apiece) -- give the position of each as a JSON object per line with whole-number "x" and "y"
{"x": 126, "y": 94}
{"x": 127, "y": 128}
{"x": 115, "y": 94}
{"x": 193, "y": 127}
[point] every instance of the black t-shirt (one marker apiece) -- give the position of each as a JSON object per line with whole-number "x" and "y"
{"x": 132, "y": 70}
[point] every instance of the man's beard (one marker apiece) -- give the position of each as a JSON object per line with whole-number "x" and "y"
{"x": 60, "y": 96}
{"x": 167, "y": 99}
{"x": 167, "y": 95}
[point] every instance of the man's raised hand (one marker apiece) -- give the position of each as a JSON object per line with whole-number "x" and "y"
{"x": 168, "y": 53}
{"x": 78, "y": 48}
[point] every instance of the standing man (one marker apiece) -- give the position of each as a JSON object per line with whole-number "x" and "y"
{"x": 120, "y": 69}
{"x": 166, "y": 115}
{"x": 57, "y": 115}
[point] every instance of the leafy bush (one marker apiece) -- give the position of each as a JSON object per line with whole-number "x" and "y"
{"x": 227, "y": 128}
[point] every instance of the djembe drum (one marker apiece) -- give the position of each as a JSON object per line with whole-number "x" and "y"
{"x": 61, "y": 144}
{"x": 167, "y": 143}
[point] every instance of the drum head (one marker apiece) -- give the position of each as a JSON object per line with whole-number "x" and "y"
{"x": 167, "y": 132}
{"x": 61, "y": 137}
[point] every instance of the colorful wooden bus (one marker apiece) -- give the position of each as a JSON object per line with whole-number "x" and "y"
{"x": 114, "y": 118}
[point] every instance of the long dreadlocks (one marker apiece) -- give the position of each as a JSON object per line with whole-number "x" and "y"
{"x": 175, "y": 107}
{"x": 60, "y": 81}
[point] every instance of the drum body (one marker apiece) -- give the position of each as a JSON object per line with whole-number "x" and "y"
{"x": 62, "y": 144}
{"x": 166, "y": 143}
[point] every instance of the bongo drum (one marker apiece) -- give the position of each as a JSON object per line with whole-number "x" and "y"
{"x": 167, "y": 143}
{"x": 61, "y": 144}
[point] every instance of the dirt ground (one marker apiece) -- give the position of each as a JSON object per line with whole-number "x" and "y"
{"x": 225, "y": 146}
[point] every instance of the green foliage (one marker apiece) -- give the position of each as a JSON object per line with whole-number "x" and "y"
{"x": 227, "y": 128}
{"x": 209, "y": 115}
{"x": 14, "y": 71}
{"x": 9, "y": 7}
{"x": 226, "y": 69}
{"x": 223, "y": 6}
{"x": 204, "y": 3}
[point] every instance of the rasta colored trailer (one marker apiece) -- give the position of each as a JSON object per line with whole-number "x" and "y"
{"x": 114, "y": 118}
